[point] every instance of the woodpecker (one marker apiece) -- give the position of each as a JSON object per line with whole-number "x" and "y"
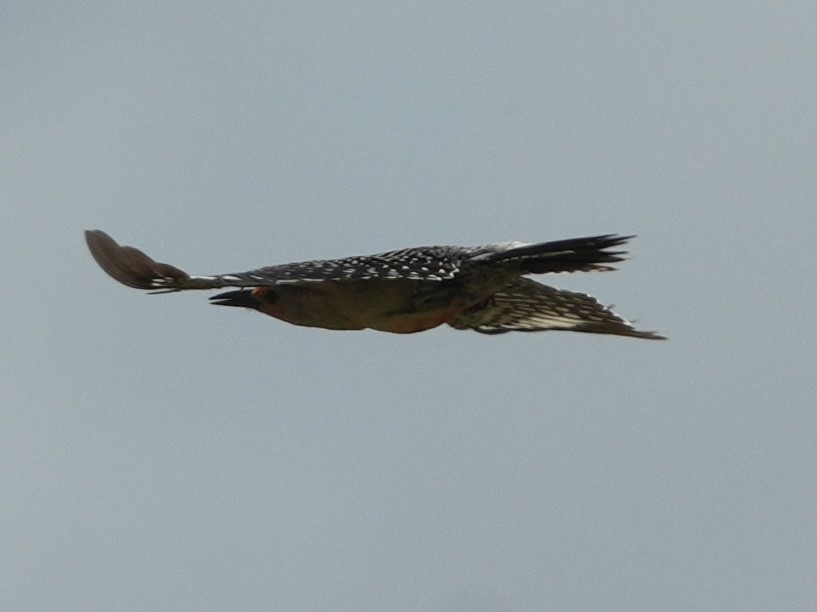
{"x": 482, "y": 288}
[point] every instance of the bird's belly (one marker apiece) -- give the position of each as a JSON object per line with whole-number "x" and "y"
{"x": 395, "y": 306}
{"x": 414, "y": 322}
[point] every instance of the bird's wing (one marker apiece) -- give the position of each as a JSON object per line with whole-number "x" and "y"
{"x": 525, "y": 305}
{"x": 134, "y": 268}
{"x": 420, "y": 263}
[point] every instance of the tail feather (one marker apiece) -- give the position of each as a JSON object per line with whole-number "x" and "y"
{"x": 573, "y": 255}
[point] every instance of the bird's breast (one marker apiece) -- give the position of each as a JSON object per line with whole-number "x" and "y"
{"x": 399, "y": 305}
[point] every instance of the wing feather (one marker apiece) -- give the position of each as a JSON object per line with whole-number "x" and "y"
{"x": 525, "y": 305}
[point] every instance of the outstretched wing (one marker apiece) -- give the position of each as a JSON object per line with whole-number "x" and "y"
{"x": 525, "y": 305}
{"x": 421, "y": 263}
{"x": 134, "y": 268}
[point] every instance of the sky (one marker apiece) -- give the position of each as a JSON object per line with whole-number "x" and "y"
{"x": 157, "y": 453}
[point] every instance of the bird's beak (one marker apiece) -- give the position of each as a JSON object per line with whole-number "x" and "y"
{"x": 242, "y": 298}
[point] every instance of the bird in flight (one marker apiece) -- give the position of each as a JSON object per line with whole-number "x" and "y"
{"x": 482, "y": 288}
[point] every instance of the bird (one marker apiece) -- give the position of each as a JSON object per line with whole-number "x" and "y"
{"x": 481, "y": 288}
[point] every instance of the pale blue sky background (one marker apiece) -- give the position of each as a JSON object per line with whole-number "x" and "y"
{"x": 157, "y": 453}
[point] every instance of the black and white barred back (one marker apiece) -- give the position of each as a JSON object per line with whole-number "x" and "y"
{"x": 431, "y": 263}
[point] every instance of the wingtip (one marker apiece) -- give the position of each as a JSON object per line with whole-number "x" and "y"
{"x": 129, "y": 265}
{"x": 649, "y": 335}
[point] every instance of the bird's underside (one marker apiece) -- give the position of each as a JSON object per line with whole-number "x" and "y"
{"x": 481, "y": 288}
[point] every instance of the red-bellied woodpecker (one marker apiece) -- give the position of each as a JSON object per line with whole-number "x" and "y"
{"x": 482, "y": 288}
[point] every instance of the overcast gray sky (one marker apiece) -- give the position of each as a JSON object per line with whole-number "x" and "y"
{"x": 159, "y": 453}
